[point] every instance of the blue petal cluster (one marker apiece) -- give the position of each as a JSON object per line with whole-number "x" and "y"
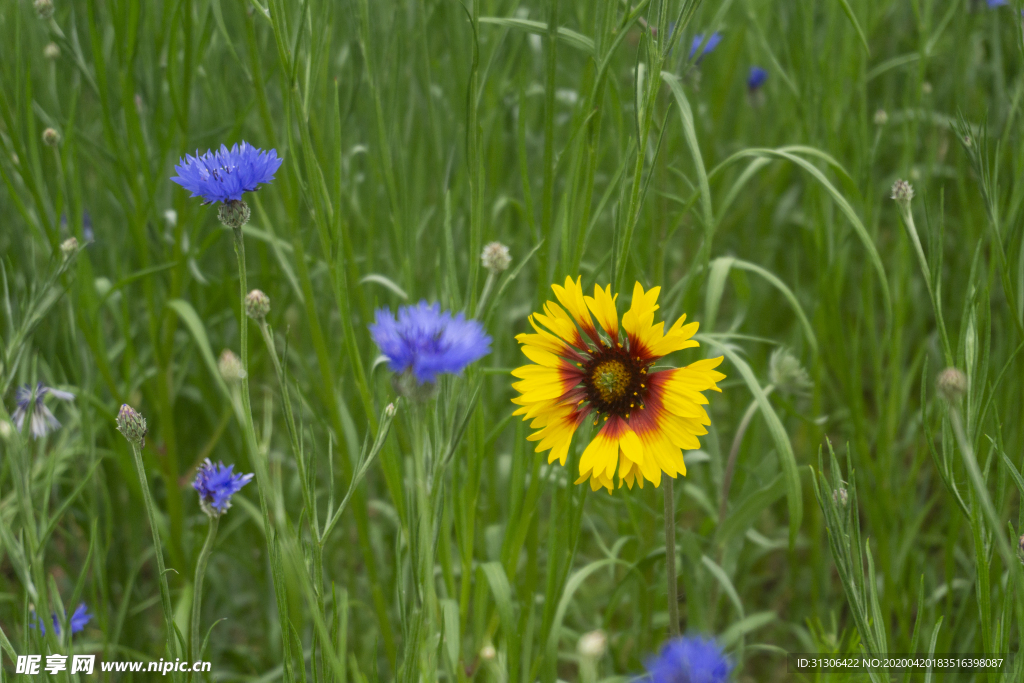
{"x": 689, "y": 660}
{"x": 226, "y": 174}
{"x": 79, "y": 618}
{"x": 998, "y": 3}
{"x": 41, "y": 420}
{"x": 712, "y": 43}
{"x": 756, "y": 78}
{"x": 216, "y": 484}
{"x": 427, "y": 341}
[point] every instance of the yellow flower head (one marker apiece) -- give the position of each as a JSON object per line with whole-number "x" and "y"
{"x": 580, "y": 372}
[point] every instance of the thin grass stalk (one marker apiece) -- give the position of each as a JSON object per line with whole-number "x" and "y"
{"x": 195, "y": 644}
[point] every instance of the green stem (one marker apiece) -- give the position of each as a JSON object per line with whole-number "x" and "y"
{"x": 425, "y": 537}
{"x": 165, "y": 593}
{"x": 197, "y": 590}
{"x": 670, "y": 559}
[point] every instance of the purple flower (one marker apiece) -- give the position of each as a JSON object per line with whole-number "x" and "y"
{"x": 79, "y": 618}
{"x": 427, "y": 341}
{"x": 712, "y": 43}
{"x": 998, "y": 3}
{"x": 42, "y": 421}
{"x": 216, "y": 484}
{"x": 756, "y": 78}
{"x": 226, "y": 174}
{"x": 689, "y": 660}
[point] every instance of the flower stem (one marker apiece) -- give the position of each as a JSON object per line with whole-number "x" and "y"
{"x": 670, "y": 559}
{"x": 165, "y": 593}
{"x": 197, "y": 590}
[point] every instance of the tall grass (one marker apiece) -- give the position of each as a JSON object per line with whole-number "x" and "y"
{"x": 865, "y": 513}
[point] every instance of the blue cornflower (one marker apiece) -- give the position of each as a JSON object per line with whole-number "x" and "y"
{"x": 216, "y": 484}
{"x": 42, "y": 421}
{"x": 998, "y": 3}
{"x": 712, "y": 43}
{"x": 79, "y": 618}
{"x": 756, "y": 78}
{"x": 224, "y": 175}
{"x": 427, "y": 342}
{"x": 689, "y": 660}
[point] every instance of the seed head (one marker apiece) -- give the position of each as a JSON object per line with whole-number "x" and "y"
{"x": 69, "y": 246}
{"x": 787, "y": 374}
{"x": 592, "y": 644}
{"x": 257, "y": 305}
{"x": 951, "y": 385}
{"x": 902, "y": 192}
{"x": 496, "y": 257}
{"x": 840, "y": 497}
{"x": 233, "y": 213}
{"x": 881, "y": 117}
{"x": 132, "y": 425}
{"x": 51, "y": 138}
{"x": 51, "y": 51}
{"x": 44, "y": 8}
{"x": 230, "y": 367}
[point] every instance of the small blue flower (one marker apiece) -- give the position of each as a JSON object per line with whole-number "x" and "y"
{"x": 427, "y": 341}
{"x": 216, "y": 484}
{"x": 689, "y": 660}
{"x": 756, "y": 78}
{"x": 998, "y": 3}
{"x": 712, "y": 43}
{"x": 226, "y": 174}
{"x": 79, "y": 618}
{"x": 42, "y": 421}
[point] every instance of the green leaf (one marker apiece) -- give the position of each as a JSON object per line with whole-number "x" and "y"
{"x": 734, "y": 633}
{"x": 570, "y": 37}
{"x": 195, "y": 326}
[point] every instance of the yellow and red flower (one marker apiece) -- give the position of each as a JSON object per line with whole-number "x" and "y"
{"x": 579, "y": 372}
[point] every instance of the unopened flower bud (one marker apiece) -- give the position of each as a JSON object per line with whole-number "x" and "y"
{"x": 230, "y": 367}
{"x": 840, "y": 497}
{"x": 51, "y": 138}
{"x": 51, "y": 51}
{"x": 132, "y": 425}
{"x": 5, "y": 430}
{"x": 881, "y": 117}
{"x": 786, "y": 373}
{"x": 1020, "y": 544}
{"x": 69, "y": 246}
{"x": 390, "y": 410}
{"x": 902, "y": 192}
{"x": 44, "y": 8}
{"x": 592, "y": 644}
{"x": 487, "y": 652}
{"x": 234, "y": 213}
{"x": 496, "y": 257}
{"x": 171, "y": 216}
{"x": 951, "y": 385}
{"x": 257, "y": 305}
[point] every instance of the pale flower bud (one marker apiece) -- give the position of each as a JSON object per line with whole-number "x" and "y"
{"x": 51, "y": 138}
{"x": 44, "y": 8}
{"x": 69, "y": 246}
{"x": 132, "y": 425}
{"x": 951, "y": 385}
{"x": 487, "y": 652}
{"x": 881, "y": 117}
{"x": 257, "y": 305}
{"x": 840, "y": 497}
{"x": 496, "y": 257}
{"x": 230, "y": 367}
{"x": 786, "y": 373}
{"x": 902, "y": 192}
{"x": 592, "y": 644}
{"x": 51, "y": 51}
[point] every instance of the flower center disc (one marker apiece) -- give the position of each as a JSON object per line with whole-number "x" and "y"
{"x": 615, "y": 382}
{"x": 611, "y": 380}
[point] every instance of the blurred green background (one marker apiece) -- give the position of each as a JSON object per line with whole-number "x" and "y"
{"x": 590, "y": 139}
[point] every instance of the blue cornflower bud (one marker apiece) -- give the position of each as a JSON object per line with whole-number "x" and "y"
{"x": 42, "y": 421}
{"x": 427, "y": 342}
{"x": 689, "y": 660}
{"x": 216, "y": 484}
{"x": 79, "y": 618}
{"x": 756, "y": 79}
{"x": 712, "y": 43}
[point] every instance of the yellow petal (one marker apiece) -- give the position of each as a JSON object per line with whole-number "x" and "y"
{"x": 571, "y": 297}
{"x": 602, "y": 305}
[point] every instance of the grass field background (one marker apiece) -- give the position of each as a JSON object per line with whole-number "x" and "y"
{"x": 591, "y": 140}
